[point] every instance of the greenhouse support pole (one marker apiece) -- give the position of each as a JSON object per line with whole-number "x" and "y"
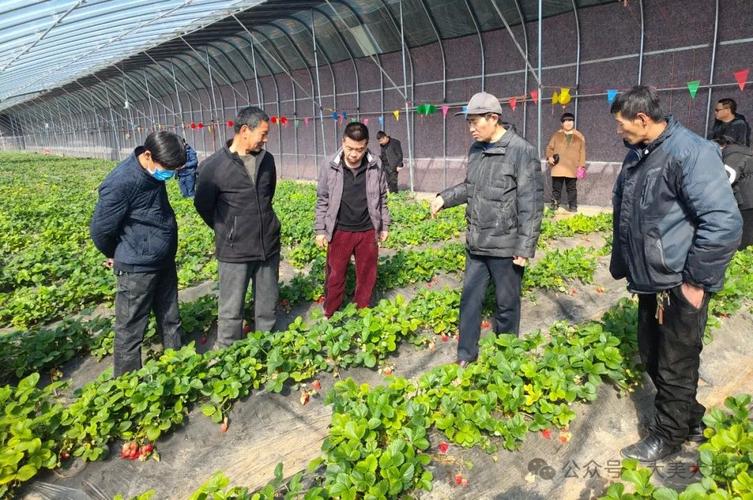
{"x": 405, "y": 90}
{"x": 538, "y": 108}
{"x": 640, "y": 50}
{"x": 318, "y": 88}
{"x": 713, "y": 63}
{"x": 577, "y": 60}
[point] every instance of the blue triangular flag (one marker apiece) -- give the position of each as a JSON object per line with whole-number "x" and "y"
{"x": 611, "y": 95}
{"x": 381, "y": 121}
{"x": 345, "y": 116}
{"x": 465, "y": 109}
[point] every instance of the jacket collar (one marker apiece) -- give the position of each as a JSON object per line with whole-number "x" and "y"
{"x": 335, "y": 161}
{"x": 133, "y": 160}
{"x": 496, "y": 148}
{"x": 643, "y": 150}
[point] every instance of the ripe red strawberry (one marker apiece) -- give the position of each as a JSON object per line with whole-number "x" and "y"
{"x": 246, "y": 328}
{"x": 547, "y": 433}
{"x": 320, "y": 300}
{"x": 64, "y": 455}
{"x": 445, "y": 338}
{"x": 486, "y": 324}
{"x": 443, "y": 447}
{"x": 316, "y": 385}
{"x": 387, "y": 370}
{"x": 458, "y": 479}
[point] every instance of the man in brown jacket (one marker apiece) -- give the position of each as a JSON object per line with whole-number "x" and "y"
{"x": 566, "y": 154}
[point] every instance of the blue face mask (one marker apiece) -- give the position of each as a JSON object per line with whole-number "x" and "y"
{"x": 163, "y": 175}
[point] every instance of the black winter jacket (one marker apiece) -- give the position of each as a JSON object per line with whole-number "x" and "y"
{"x": 740, "y": 160}
{"x": 504, "y": 189}
{"x": 133, "y": 222}
{"x": 239, "y": 210}
{"x": 675, "y": 218}
{"x": 391, "y": 155}
{"x": 738, "y": 130}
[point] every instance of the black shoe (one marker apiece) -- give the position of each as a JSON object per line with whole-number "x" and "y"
{"x": 554, "y": 206}
{"x": 695, "y": 435}
{"x": 463, "y": 363}
{"x": 649, "y": 449}
{"x": 572, "y": 209}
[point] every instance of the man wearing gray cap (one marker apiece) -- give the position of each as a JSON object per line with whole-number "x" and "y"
{"x": 504, "y": 191}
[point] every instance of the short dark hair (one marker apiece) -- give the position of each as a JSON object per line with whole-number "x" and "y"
{"x": 356, "y": 131}
{"x": 639, "y": 99}
{"x": 251, "y": 117}
{"x": 381, "y": 134}
{"x": 728, "y": 103}
{"x": 567, "y": 116}
{"x": 166, "y": 148}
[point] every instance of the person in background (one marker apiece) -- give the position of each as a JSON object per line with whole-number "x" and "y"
{"x": 728, "y": 122}
{"x": 738, "y": 160}
{"x": 134, "y": 227}
{"x": 234, "y": 195}
{"x": 391, "y": 157}
{"x": 351, "y": 217}
{"x": 566, "y": 157}
{"x": 187, "y": 174}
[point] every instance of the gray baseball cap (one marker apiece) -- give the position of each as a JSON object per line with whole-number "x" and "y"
{"x": 481, "y": 104}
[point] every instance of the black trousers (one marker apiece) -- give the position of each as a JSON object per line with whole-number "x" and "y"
{"x": 507, "y": 279}
{"x": 391, "y": 178}
{"x": 572, "y": 190}
{"x": 747, "y": 228}
{"x": 137, "y": 295}
{"x": 671, "y": 354}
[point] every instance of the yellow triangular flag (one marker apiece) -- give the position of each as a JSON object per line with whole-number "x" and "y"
{"x": 555, "y": 98}
{"x": 396, "y": 114}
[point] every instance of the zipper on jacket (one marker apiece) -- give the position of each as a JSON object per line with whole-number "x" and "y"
{"x": 232, "y": 231}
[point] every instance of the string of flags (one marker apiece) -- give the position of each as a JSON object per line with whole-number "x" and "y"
{"x": 561, "y": 96}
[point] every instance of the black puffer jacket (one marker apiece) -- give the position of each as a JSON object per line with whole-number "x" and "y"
{"x": 504, "y": 190}
{"x": 239, "y": 210}
{"x": 740, "y": 159}
{"x": 675, "y": 218}
{"x": 133, "y": 221}
{"x": 738, "y": 130}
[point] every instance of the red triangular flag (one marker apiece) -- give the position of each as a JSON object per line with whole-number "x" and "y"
{"x": 535, "y": 96}
{"x": 445, "y": 108}
{"x": 513, "y": 103}
{"x": 742, "y": 77}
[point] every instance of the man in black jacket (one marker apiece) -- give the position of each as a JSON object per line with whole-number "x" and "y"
{"x": 504, "y": 190}
{"x": 391, "y": 157}
{"x": 738, "y": 160}
{"x": 676, "y": 227}
{"x": 234, "y": 197}
{"x": 134, "y": 227}
{"x": 728, "y": 122}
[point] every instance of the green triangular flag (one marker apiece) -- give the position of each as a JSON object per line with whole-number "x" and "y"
{"x": 693, "y": 87}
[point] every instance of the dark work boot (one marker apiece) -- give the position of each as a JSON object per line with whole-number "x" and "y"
{"x": 695, "y": 434}
{"x": 649, "y": 449}
{"x": 554, "y": 205}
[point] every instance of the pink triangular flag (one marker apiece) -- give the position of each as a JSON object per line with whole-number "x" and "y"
{"x": 365, "y": 121}
{"x": 306, "y": 121}
{"x": 742, "y": 77}
{"x": 535, "y": 96}
{"x": 513, "y": 103}
{"x": 445, "y": 108}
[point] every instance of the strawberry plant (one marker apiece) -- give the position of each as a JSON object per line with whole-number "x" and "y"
{"x": 726, "y": 459}
{"x": 30, "y": 426}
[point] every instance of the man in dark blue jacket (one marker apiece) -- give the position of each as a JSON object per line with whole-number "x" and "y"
{"x": 676, "y": 227}
{"x": 187, "y": 174}
{"x": 134, "y": 227}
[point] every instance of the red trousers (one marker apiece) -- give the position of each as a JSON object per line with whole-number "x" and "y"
{"x": 344, "y": 244}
